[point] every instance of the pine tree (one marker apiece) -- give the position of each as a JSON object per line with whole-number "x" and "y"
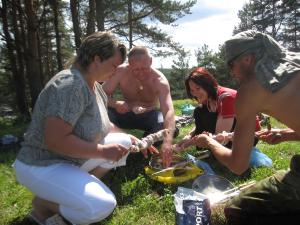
{"x": 180, "y": 70}
{"x": 136, "y": 21}
{"x": 291, "y": 31}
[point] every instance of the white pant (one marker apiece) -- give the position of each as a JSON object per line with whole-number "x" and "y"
{"x": 82, "y": 198}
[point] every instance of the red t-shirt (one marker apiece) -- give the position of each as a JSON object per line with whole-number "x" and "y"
{"x": 226, "y": 104}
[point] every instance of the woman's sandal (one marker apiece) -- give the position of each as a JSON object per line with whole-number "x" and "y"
{"x": 53, "y": 220}
{"x": 33, "y": 218}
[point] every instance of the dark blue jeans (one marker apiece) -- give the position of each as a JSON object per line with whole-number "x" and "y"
{"x": 150, "y": 122}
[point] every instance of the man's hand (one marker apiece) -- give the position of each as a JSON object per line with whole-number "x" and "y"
{"x": 166, "y": 154}
{"x": 273, "y": 136}
{"x": 152, "y": 150}
{"x": 121, "y": 107}
{"x": 139, "y": 109}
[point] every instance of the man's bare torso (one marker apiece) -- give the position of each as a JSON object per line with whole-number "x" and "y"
{"x": 283, "y": 105}
{"x": 140, "y": 92}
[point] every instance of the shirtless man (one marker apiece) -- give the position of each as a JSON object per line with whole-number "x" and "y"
{"x": 269, "y": 78}
{"x": 142, "y": 87}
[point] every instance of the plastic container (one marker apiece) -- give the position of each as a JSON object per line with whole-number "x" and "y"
{"x": 9, "y": 139}
{"x": 187, "y": 109}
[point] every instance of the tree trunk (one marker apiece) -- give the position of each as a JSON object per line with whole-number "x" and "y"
{"x": 47, "y": 64}
{"x": 130, "y": 23}
{"x": 20, "y": 83}
{"x": 75, "y": 20}
{"x": 18, "y": 75}
{"x": 54, "y": 5}
{"x": 33, "y": 70}
{"x": 295, "y": 41}
{"x": 40, "y": 58}
{"x": 100, "y": 14}
{"x": 91, "y": 18}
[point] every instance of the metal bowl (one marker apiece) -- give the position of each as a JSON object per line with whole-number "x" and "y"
{"x": 210, "y": 184}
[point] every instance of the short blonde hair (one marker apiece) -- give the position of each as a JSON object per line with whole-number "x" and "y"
{"x": 138, "y": 51}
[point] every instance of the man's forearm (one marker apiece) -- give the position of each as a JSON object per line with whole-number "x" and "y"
{"x": 289, "y": 135}
{"x": 169, "y": 124}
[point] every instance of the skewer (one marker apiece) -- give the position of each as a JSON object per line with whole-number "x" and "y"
{"x": 149, "y": 140}
{"x": 226, "y": 195}
{"x": 178, "y": 165}
{"x": 240, "y": 187}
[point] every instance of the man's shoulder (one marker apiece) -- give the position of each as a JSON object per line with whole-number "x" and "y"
{"x": 157, "y": 72}
{"x": 120, "y": 74}
{"x": 252, "y": 95}
{"x": 160, "y": 82}
{"x": 160, "y": 77}
{"x": 123, "y": 68}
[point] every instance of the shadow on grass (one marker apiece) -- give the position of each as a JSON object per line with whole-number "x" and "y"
{"x": 221, "y": 170}
{"x": 133, "y": 174}
{"x": 130, "y": 181}
{"x": 22, "y": 221}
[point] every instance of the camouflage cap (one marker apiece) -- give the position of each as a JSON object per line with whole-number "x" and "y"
{"x": 238, "y": 45}
{"x": 274, "y": 67}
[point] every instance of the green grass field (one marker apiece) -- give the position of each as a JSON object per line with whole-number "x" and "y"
{"x": 141, "y": 200}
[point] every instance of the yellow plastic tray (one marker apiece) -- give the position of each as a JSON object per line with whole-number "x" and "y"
{"x": 167, "y": 177}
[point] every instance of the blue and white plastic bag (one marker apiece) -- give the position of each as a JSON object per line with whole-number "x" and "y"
{"x": 192, "y": 208}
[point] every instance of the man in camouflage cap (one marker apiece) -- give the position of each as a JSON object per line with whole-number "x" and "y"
{"x": 274, "y": 65}
{"x": 269, "y": 78}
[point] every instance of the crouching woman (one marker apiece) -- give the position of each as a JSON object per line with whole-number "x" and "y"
{"x": 68, "y": 129}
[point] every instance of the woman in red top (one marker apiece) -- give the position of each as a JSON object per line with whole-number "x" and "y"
{"x": 215, "y": 113}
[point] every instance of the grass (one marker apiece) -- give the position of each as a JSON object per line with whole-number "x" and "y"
{"x": 141, "y": 200}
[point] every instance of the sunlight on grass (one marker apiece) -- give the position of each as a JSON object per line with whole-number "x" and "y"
{"x": 141, "y": 200}
{"x": 15, "y": 200}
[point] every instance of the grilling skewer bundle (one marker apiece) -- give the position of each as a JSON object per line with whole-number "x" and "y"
{"x": 149, "y": 140}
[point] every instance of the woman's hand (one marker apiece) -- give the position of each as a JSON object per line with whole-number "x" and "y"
{"x": 112, "y": 152}
{"x": 202, "y": 140}
{"x": 223, "y": 138}
{"x": 183, "y": 144}
{"x": 134, "y": 139}
{"x": 151, "y": 149}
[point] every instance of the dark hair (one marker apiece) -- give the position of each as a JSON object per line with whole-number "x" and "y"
{"x": 102, "y": 44}
{"x": 203, "y": 78}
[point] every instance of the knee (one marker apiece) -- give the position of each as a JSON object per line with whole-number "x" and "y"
{"x": 98, "y": 210}
{"x": 102, "y": 209}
